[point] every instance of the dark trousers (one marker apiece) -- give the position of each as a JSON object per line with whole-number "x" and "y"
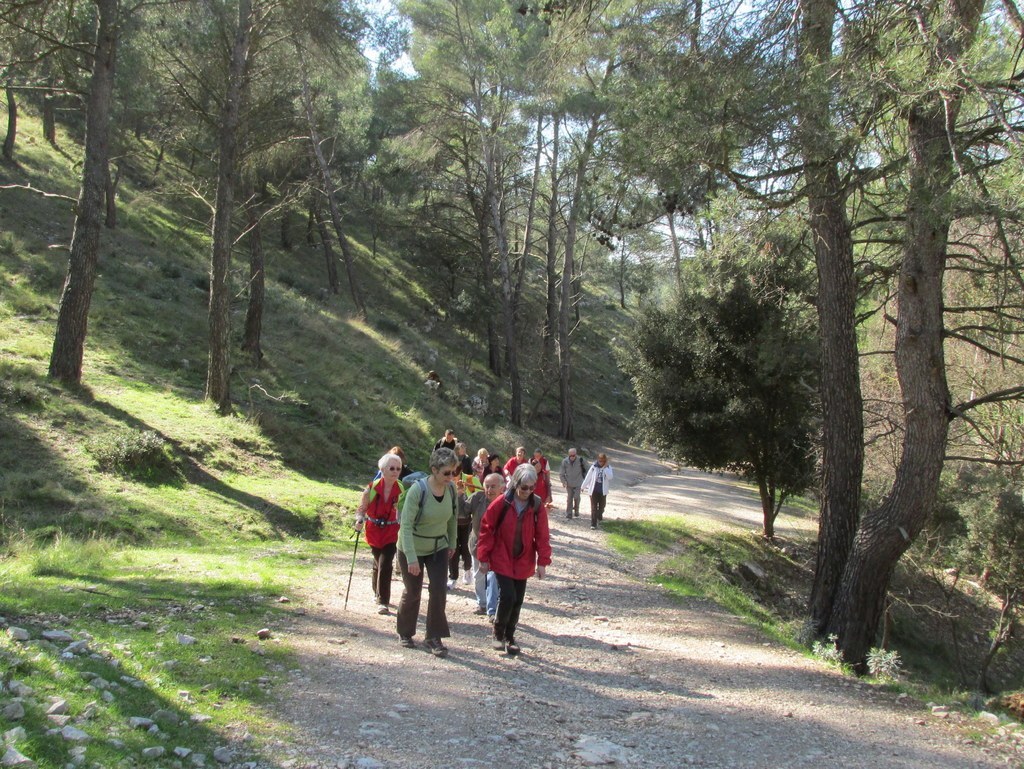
{"x": 511, "y": 593}
{"x": 461, "y": 550}
{"x": 597, "y": 507}
{"x": 434, "y": 566}
{"x": 383, "y": 568}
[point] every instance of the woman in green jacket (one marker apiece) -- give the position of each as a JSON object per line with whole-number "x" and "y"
{"x": 426, "y": 541}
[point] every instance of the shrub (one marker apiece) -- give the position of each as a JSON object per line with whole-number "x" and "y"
{"x": 139, "y": 454}
{"x": 884, "y": 664}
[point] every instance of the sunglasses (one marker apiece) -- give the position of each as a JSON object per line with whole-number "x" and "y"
{"x": 527, "y": 488}
{"x": 449, "y": 473}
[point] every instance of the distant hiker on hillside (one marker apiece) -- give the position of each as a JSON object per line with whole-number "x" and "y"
{"x": 573, "y": 471}
{"x": 596, "y": 485}
{"x": 447, "y": 441}
{"x": 515, "y": 543}
{"x": 378, "y": 511}
{"x": 426, "y": 541}
{"x": 485, "y": 583}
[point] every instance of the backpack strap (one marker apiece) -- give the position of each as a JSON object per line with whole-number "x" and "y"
{"x": 422, "y": 483}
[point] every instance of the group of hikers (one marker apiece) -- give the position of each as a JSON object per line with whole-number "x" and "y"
{"x": 490, "y": 518}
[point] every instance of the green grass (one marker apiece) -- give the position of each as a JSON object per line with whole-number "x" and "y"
{"x": 701, "y": 560}
{"x": 135, "y": 607}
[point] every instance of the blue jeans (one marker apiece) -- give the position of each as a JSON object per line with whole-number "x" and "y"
{"x": 486, "y": 589}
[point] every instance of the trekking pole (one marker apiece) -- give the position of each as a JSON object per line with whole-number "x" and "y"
{"x": 352, "y": 570}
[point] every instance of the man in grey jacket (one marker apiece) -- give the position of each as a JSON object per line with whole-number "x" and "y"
{"x": 574, "y": 469}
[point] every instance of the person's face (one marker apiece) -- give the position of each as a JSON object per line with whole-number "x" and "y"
{"x": 391, "y": 470}
{"x": 537, "y": 456}
{"x": 493, "y": 487}
{"x": 445, "y": 473}
{"x": 602, "y": 460}
{"x": 524, "y": 491}
{"x": 521, "y": 455}
{"x": 572, "y": 455}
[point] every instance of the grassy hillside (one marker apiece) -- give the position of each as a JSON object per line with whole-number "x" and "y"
{"x": 332, "y": 392}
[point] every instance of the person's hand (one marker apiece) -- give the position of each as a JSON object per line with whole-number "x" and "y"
{"x": 414, "y": 568}
{"x": 358, "y": 525}
{"x": 460, "y": 485}
{"x": 540, "y": 572}
{"x": 451, "y": 552}
{"x": 484, "y": 568}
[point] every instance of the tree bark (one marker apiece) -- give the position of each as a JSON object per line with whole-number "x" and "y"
{"x": 50, "y": 119}
{"x": 330, "y": 260}
{"x": 83, "y": 258}
{"x": 551, "y": 261}
{"x": 887, "y": 532}
{"x": 257, "y": 286}
{"x": 332, "y": 202}
{"x": 110, "y": 195}
{"x": 12, "y": 122}
{"x": 218, "y": 372}
{"x": 566, "y": 428}
{"x": 842, "y": 410}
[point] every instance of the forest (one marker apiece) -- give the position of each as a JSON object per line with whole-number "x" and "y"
{"x": 812, "y": 210}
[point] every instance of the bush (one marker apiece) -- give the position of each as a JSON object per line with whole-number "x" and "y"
{"x": 885, "y": 664}
{"x": 139, "y": 454}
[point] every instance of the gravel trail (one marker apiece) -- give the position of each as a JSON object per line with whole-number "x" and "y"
{"x": 614, "y": 671}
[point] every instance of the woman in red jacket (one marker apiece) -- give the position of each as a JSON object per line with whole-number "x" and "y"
{"x": 514, "y": 543}
{"x": 379, "y": 506}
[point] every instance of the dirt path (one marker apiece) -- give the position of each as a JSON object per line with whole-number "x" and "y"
{"x": 612, "y": 670}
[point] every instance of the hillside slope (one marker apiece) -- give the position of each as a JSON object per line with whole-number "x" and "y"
{"x": 332, "y": 392}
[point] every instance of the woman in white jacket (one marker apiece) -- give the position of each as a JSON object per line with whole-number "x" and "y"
{"x": 597, "y": 483}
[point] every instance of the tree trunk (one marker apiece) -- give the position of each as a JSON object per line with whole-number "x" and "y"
{"x": 83, "y": 258}
{"x": 331, "y": 262}
{"x": 551, "y": 262}
{"x": 286, "y": 229}
{"x": 886, "y": 533}
{"x": 491, "y": 164}
{"x": 842, "y": 410}
{"x": 768, "y": 510}
{"x": 677, "y": 254}
{"x": 332, "y": 202}
{"x": 565, "y": 428}
{"x": 257, "y": 286}
{"x": 12, "y": 122}
{"x": 110, "y": 194}
{"x": 218, "y": 373}
{"x": 50, "y": 119}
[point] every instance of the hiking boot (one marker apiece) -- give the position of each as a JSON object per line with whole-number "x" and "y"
{"x": 499, "y": 645}
{"x": 511, "y": 647}
{"x": 451, "y": 584}
{"x": 480, "y": 610}
{"x": 407, "y": 642}
{"x": 466, "y": 578}
{"x": 383, "y": 609}
{"x": 437, "y": 648}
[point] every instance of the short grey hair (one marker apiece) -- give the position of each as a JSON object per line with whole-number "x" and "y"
{"x": 443, "y": 458}
{"x": 387, "y": 458}
{"x": 523, "y": 474}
